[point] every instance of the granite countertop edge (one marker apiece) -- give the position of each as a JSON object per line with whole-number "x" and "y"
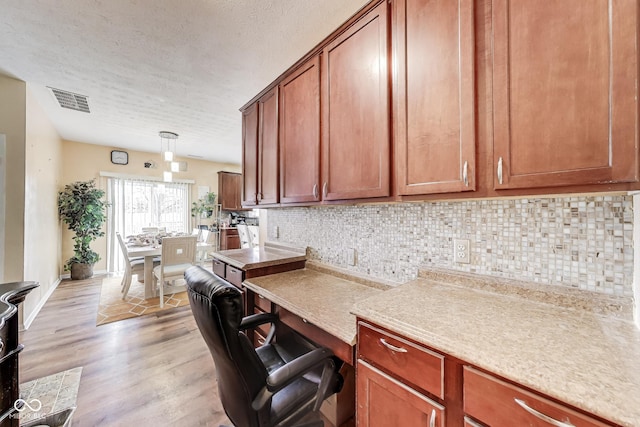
{"x": 276, "y": 256}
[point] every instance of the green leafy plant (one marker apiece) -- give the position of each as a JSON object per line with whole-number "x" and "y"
{"x": 81, "y": 207}
{"x": 205, "y": 204}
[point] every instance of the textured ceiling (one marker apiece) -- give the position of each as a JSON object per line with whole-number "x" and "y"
{"x": 149, "y": 65}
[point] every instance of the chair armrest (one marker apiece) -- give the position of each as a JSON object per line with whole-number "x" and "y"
{"x": 293, "y": 370}
{"x": 250, "y": 322}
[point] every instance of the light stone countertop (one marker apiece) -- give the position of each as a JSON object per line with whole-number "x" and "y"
{"x": 262, "y": 256}
{"x": 323, "y": 299}
{"x": 575, "y": 354}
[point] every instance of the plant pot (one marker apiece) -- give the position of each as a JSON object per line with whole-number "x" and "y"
{"x": 81, "y": 271}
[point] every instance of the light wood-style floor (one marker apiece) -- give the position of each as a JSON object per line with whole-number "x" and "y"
{"x": 152, "y": 370}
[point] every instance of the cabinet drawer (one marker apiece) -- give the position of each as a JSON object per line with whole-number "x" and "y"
{"x": 420, "y": 366}
{"x": 234, "y": 276}
{"x": 219, "y": 268}
{"x": 384, "y": 401}
{"x": 261, "y": 329}
{"x": 262, "y": 302}
{"x": 498, "y": 403}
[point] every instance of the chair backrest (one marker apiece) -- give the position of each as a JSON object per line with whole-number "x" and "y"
{"x": 245, "y": 236}
{"x": 178, "y": 250}
{"x": 204, "y": 236}
{"x": 254, "y": 232}
{"x": 149, "y": 229}
{"x": 218, "y": 310}
{"x": 125, "y": 253}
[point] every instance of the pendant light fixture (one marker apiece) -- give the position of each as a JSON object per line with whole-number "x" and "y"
{"x": 167, "y": 151}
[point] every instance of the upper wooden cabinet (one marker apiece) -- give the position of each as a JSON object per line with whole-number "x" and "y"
{"x": 355, "y": 110}
{"x": 260, "y": 151}
{"x": 565, "y": 92}
{"x": 300, "y": 134}
{"x": 434, "y": 99}
{"x": 229, "y": 190}
{"x": 250, "y": 135}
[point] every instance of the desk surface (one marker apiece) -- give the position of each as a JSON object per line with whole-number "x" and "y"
{"x": 323, "y": 299}
{"x": 262, "y": 256}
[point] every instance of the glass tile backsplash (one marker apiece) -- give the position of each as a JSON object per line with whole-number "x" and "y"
{"x": 583, "y": 242}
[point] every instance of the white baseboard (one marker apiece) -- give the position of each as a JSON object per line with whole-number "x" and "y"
{"x": 32, "y": 317}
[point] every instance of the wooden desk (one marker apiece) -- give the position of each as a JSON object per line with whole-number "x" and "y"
{"x": 318, "y": 305}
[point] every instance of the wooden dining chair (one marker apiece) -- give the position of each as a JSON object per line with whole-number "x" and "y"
{"x": 178, "y": 254}
{"x": 132, "y": 266}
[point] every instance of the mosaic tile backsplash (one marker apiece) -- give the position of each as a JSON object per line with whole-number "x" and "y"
{"x": 583, "y": 242}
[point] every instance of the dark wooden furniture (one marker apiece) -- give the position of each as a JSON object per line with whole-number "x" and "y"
{"x": 355, "y": 110}
{"x": 11, "y": 295}
{"x": 402, "y": 382}
{"x": 489, "y": 98}
{"x": 260, "y": 151}
{"x": 230, "y": 190}
{"x": 300, "y": 134}
{"x": 434, "y": 103}
{"x": 229, "y": 239}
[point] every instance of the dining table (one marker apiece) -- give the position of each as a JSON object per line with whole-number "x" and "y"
{"x": 149, "y": 252}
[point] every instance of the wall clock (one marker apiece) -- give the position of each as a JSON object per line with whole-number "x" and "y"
{"x": 119, "y": 157}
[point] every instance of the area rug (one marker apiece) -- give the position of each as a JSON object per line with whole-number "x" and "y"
{"x": 51, "y": 397}
{"x": 113, "y": 308}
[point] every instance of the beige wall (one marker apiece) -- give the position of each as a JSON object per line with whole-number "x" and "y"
{"x": 77, "y": 167}
{"x": 42, "y": 260}
{"x": 12, "y": 124}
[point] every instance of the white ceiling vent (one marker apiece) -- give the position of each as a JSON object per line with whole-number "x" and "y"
{"x": 71, "y": 100}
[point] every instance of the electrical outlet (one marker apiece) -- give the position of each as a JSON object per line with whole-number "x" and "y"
{"x": 351, "y": 256}
{"x": 276, "y": 231}
{"x": 461, "y": 251}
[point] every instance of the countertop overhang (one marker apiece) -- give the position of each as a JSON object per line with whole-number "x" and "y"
{"x": 262, "y": 256}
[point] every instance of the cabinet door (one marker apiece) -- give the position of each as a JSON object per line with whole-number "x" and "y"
{"x": 268, "y": 149}
{"x": 435, "y": 94}
{"x": 383, "y": 401}
{"x": 229, "y": 189}
{"x": 355, "y": 106}
{"x": 250, "y": 135}
{"x": 300, "y": 134}
{"x": 564, "y": 82}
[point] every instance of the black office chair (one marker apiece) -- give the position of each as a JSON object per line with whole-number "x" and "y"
{"x": 273, "y": 385}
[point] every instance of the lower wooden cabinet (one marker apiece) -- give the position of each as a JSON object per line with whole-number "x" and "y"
{"x": 402, "y": 383}
{"x": 229, "y": 239}
{"x": 497, "y": 403}
{"x": 384, "y": 401}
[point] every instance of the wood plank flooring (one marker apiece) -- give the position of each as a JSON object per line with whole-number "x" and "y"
{"x": 152, "y": 370}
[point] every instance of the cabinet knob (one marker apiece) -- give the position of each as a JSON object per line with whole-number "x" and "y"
{"x": 499, "y": 172}
{"x": 432, "y": 418}
{"x": 315, "y": 191}
{"x": 324, "y": 190}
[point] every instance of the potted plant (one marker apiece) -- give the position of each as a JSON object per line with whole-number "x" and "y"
{"x": 205, "y": 204}
{"x": 81, "y": 207}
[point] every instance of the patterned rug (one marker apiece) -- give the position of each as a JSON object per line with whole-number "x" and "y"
{"x": 113, "y": 308}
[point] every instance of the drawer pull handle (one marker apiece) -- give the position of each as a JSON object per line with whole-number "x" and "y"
{"x": 305, "y": 320}
{"x": 540, "y": 415}
{"x": 432, "y": 418}
{"x": 393, "y": 347}
{"x": 261, "y": 341}
{"x": 260, "y": 296}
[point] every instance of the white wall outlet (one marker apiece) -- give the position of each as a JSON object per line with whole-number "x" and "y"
{"x": 351, "y": 256}
{"x": 276, "y": 231}
{"x": 461, "y": 251}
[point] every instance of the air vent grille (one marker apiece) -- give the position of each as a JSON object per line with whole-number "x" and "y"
{"x": 70, "y": 100}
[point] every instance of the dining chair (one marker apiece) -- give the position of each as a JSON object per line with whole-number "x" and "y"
{"x": 177, "y": 254}
{"x": 131, "y": 266}
{"x": 245, "y": 236}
